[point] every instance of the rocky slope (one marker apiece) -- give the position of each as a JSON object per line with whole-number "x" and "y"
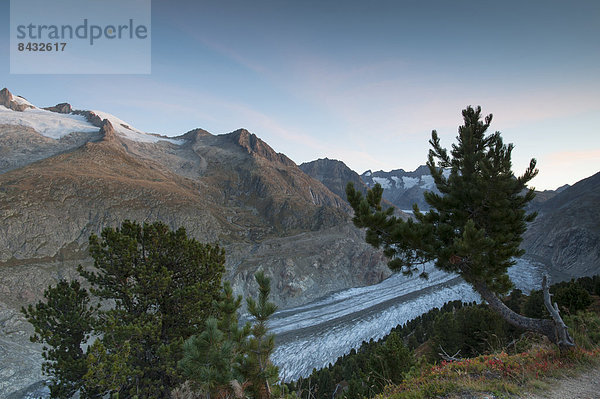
{"x": 231, "y": 188}
{"x": 566, "y": 234}
{"x": 15, "y": 103}
{"x": 334, "y": 174}
{"x": 66, "y": 175}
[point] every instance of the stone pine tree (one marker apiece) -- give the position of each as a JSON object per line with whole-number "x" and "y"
{"x": 212, "y": 360}
{"x": 474, "y": 226}
{"x": 62, "y": 324}
{"x": 257, "y": 366}
{"x": 156, "y": 286}
{"x": 159, "y": 285}
{"x": 224, "y": 359}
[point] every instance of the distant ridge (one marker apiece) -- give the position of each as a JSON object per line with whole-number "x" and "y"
{"x": 334, "y": 174}
{"x": 402, "y": 188}
{"x": 566, "y": 234}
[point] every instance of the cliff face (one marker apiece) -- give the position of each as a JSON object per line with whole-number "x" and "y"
{"x": 566, "y": 234}
{"x": 15, "y": 103}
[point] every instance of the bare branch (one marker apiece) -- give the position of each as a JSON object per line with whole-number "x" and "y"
{"x": 564, "y": 339}
{"x": 445, "y": 356}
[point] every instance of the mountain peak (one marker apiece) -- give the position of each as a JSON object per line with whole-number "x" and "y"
{"x": 194, "y": 134}
{"x": 255, "y": 146}
{"x": 107, "y": 130}
{"x": 334, "y": 174}
{"x": 16, "y": 103}
{"x": 422, "y": 170}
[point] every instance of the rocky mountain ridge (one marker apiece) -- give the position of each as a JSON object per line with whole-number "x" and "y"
{"x": 566, "y": 234}
{"x": 226, "y": 188}
{"x": 334, "y": 174}
{"x": 65, "y": 174}
{"x": 15, "y": 103}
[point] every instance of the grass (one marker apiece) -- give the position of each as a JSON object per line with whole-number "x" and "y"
{"x": 501, "y": 375}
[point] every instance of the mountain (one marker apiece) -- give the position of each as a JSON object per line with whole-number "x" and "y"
{"x": 401, "y": 188}
{"x": 565, "y": 236}
{"x": 231, "y": 188}
{"x": 66, "y": 174}
{"x": 334, "y": 174}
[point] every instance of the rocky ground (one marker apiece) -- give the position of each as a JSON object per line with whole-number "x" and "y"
{"x": 583, "y": 386}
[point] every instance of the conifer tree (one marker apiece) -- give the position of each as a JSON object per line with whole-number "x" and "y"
{"x": 475, "y": 224}
{"x": 162, "y": 285}
{"x": 224, "y": 355}
{"x": 212, "y": 360}
{"x": 62, "y": 323}
{"x": 258, "y": 369}
{"x": 157, "y": 286}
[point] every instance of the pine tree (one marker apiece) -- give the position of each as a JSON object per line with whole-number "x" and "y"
{"x": 225, "y": 355}
{"x": 161, "y": 285}
{"x": 156, "y": 287}
{"x": 396, "y": 358}
{"x": 258, "y": 369}
{"x": 212, "y": 360}
{"x": 63, "y": 323}
{"x": 474, "y": 227}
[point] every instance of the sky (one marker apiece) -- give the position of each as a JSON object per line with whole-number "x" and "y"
{"x": 364, "y": 82}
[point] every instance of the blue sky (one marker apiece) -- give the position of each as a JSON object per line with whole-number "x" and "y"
{"x": 363, "y": 82}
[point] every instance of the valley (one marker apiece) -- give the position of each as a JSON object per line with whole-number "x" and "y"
{"x": 67, "y": 174}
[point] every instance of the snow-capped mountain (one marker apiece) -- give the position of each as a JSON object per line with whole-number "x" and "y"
{"x": 55, "y": 123}
{"x": 126, "y": 131}
{"x": 401, "y": 188}
{"x": 65, "y": 175}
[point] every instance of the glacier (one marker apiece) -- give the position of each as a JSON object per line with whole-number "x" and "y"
{"x": 314, "y": 335}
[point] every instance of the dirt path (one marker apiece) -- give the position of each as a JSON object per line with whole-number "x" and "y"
{"x": 584, "y": 386}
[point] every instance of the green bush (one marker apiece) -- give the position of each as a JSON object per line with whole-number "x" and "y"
{"x": 472, "y": 329}
{"x": 572, "y": 297}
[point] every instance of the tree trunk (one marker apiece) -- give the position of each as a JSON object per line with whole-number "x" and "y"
{"x": 554, "y": 329}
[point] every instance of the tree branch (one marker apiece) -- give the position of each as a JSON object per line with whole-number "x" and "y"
{"x": 445, "y": 356}
{"x": 564, "y": 339}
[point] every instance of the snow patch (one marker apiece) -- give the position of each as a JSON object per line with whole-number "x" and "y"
{"x": 47, "y": 123}
{"x": 427, "y": 182}
{"x": 397, "y": 180}
{"x": 21, "y": 101}
{"x": 383, "y": 181}
{"x": 410, "y": 181}
{"x": 126, "y": 130}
